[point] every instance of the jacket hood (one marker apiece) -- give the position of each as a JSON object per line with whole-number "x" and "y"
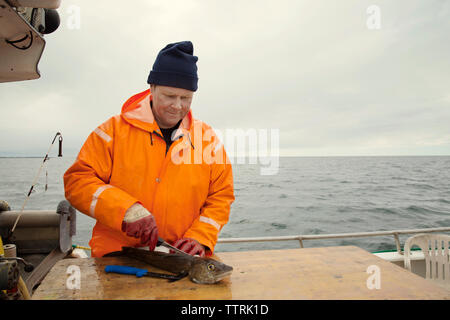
{"x": 137, "y": 112}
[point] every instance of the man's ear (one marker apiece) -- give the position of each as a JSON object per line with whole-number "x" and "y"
{"x": 152, "y": 87}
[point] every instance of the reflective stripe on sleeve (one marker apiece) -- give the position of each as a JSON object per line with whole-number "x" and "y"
{"x": 95, "y": 198}
{"x": 210, "y": 221}
{"x": 102, "y": 135}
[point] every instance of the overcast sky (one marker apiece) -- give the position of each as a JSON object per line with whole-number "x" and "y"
{"x": 312, "y": 69}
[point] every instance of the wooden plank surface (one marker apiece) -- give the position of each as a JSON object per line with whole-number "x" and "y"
{"x": 309, "y": 273}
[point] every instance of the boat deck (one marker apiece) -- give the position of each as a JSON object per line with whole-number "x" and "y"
{"x": 308, "y": 273}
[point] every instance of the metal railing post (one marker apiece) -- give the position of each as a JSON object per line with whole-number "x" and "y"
{"x": 397, "y": 243}
{"x": 300, "y": 239}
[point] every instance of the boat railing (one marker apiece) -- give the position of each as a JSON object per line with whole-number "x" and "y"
{"x": 301, "y": 238}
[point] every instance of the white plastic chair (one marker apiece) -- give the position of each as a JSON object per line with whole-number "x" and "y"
{"x": 435, "y": 248}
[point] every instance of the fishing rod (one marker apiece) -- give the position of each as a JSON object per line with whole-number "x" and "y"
{"x": 60, "y": 139}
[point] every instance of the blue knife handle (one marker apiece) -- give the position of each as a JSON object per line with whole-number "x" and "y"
{"x": 126, "y": 270}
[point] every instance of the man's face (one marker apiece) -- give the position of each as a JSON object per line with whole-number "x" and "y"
{"x": 170, "y": 104}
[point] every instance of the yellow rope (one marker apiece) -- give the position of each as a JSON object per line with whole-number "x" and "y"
{"x": 80, "y": 247}
{"x": 23, "y": 289}
{"x": 2, "y": 252}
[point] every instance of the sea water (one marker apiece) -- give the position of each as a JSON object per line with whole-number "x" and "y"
{"x": 307, "y": 195}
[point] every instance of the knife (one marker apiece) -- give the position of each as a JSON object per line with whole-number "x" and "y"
{"x": 163, "y": 243}
{"x": 143, "y": 272}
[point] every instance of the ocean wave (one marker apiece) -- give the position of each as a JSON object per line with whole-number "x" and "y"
{"x": 438, "y": 201}
{"x": 242, "y": 221}
{"x": 278, "y": 226}
{"x": 443, "y": 201}
{"x": 425, "y": 225}
{"x": 307, "y": 208}
{"x": 326, "y": 180}
{"x": 421, "y": 186}
{"x": 345, "y": 209}
{"x": 402, "y": 178}
{"x": 423, "y": 210}
{"x": 383, "y": 211}
{"x": 313, "y": 231}
{"x": 355, "y": 220}
{"x": 443, "y": 223}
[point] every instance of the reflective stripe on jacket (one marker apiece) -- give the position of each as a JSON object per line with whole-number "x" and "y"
{"x": 189, "y": 190}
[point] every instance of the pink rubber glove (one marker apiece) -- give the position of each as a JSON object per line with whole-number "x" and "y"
{"x": 140, "y": 223}
{"x": 190, "y": 246}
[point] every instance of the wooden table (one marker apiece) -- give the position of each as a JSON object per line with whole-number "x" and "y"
{"x": 308, "y": 273}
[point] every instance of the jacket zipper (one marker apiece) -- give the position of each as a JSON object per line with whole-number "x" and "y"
{"x": 158, "y": 179}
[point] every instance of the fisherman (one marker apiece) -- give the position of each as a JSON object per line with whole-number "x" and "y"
{"x": 155, "y": 170}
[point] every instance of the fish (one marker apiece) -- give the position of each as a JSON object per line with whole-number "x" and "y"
{"x": 199, "y": 270}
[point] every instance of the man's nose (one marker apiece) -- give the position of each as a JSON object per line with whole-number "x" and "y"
{"x": 177, "y": 103}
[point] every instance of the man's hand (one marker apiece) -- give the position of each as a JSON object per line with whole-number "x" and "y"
{"x": 190, "y": 246}
{"x": 139, "y": 223}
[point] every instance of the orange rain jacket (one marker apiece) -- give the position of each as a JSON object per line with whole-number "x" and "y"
{"x": 189, "y": 189}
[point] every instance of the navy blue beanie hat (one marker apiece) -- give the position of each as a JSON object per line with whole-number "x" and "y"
{"x": 175, "y": 66}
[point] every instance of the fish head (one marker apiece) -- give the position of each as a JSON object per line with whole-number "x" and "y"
{"x": 207, "y": 271}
